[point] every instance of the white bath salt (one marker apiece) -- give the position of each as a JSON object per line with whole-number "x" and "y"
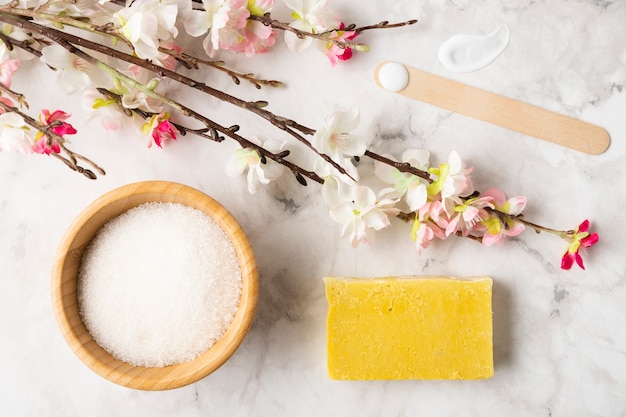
{"x": 159, "y": 285}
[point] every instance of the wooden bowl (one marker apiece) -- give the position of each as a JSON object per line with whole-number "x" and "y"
{"x": 65, "y": 274}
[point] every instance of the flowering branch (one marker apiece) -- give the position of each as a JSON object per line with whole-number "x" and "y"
{"x": 325, "y": 36}
{"x": 49, "y": 139}
{"x": 121, "y": 80}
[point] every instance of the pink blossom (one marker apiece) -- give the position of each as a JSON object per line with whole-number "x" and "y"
{"x": 56, "y": 120}
{"x": 336, "y": 53}
{"x": 513, "y": 206}
{"x": 430, "y": 222}
{"x": 7, "y": 69}
{"x": 160, "y": 129}
{"x": 256, "y": 38}
{"x": 579, "y": 239}
{"x": 222, "y": 20}
{"x": 468, "y": 215}
{"x": 43, "y": 145}
{"x": 496, "y": 230}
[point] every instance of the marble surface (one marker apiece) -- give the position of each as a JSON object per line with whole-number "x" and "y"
{"x": 559, "y": 336}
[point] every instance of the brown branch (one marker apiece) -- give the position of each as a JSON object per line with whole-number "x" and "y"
{"x": 400, "y": 166}
{"x": 20, "y": 98}
{"x": 288, "y": 125}
{"x": 382, "y": 25}
{"x": 67, "y": 41}
{"x": 193, "y": 62}
{"x": 267, "y": 20}
{"x": 211, "y": 134}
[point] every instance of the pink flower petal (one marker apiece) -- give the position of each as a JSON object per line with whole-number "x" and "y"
{"x": 590, "y": 240}
{"x": 567, "y": 261}
{"x": 579, "y": 260}
{"x": 584, "y": 226}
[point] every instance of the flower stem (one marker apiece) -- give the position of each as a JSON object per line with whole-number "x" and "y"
{"x": 564, "y": 234}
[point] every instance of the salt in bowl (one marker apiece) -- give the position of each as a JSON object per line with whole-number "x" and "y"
{"x": 65, "y": 278}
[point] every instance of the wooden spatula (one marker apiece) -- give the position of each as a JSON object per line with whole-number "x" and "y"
{"x": 496, "y": 109}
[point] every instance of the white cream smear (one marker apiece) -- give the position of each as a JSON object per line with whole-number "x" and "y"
{"x": 466, "y": 53}
{"x": 393, "y": 76}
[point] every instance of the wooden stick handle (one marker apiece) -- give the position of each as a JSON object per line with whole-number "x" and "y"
{"x": 503, "y": 111}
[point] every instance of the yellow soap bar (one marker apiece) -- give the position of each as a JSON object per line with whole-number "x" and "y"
{"x": 409, "y": 328}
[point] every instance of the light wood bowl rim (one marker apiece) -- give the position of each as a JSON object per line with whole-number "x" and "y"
{"x": 65, "y": 303}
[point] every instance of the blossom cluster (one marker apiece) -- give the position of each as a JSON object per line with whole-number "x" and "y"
{"x": 151, "y": 29}
{"x": 16, "y": 135}
{"x": 228, "y": 25}
{"x": 440, "y": 203}
{"x": 123, "y": 81}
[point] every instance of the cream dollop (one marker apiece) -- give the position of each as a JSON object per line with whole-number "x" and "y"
{"x": 467, "y": 53}
{"x": 393, "y": 76}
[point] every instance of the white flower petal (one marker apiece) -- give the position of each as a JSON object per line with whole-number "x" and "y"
{"x": 418, "y": 158}
{"x": 342, "y": 213}
{"x": 416, "y": 197}
{"x": 364, "y": 198}
{"x": 197, "y": 23}
{"x": 56, "y": 56}
{"x": 376, "y": 219}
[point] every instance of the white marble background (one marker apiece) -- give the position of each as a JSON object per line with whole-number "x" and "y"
{"x": 560, "y": 337}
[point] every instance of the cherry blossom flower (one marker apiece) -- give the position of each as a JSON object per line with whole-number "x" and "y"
{"x": 468, "y": 214}
{"x": 145, "y": 23}
{"x": 428, "y": 224}
{"x": 452, "y": 181}
{"x": 407, "y": 184}
{"x": 160, "y": 129}
{"x": 15, "y": 135}
{"x": 362, "y": 213}
{"x": 513, "y": 206}
{"x": 222, "y": 19}
{"x": 496, "y": 229}
{"x": 132, "y": 98}
{"x": 335, "y": 138}
{"x": 57, "y": 121}
{"x": 74, "y": 73}
{"x": 259, "y": 170}
{"x": 336, "y": 190}
{"x": 581, "y": 238}
{"x": 109, "y": 113}
{"x": 254, "y": 36}
{"x": 311, "y": 16}
{"x": 334, "y": 52}
{"x": 7, "y": 69}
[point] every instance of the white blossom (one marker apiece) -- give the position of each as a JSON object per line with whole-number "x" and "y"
{"x": 258, "y": 171}
{"x": 15, "y": 135}
{"x": 312, "y": 16}
{"x": 362, "y": 213}
{"x": 148, "y": 22}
